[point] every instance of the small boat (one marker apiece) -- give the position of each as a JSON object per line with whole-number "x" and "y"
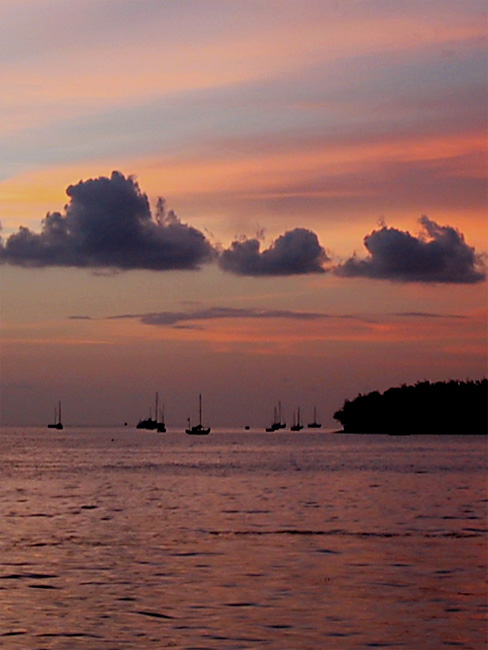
{"x": 197, "y": 429}
{"x": 161, "y": 426}
{"x": 57, "y": 424}
{"x": 279, "y": 423}
{"x": 314, "y": 424}
{"x": 275, "y": 424}
{"x": 297, "y": 425}
{"x": 150, "y": 423}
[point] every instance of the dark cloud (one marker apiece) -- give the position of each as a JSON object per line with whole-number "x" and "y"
{"x": 186, "y": 319}
{"x": 213, "y": 313}
{"x": 297, "y": 252}
{"x": 108, "y": 223}
{"x": 439, "y": 254}
{"x": 190, "y": 319}
{"x": 423, "y": 314}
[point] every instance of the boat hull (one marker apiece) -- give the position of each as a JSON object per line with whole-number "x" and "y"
{"x": 197, "y": 431}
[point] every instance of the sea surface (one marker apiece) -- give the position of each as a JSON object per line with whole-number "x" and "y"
{"x": 115, "y": 538}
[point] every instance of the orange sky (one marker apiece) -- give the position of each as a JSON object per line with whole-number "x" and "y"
{"x": 247, "y": 117}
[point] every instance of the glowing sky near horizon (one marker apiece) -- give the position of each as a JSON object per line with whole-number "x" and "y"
{"x": 257, "y": 116}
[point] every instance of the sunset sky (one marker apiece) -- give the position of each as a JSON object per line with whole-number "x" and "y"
{"x": 258, "y": 200}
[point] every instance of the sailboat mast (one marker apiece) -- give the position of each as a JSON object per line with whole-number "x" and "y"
{"x": 200, "y": 408}
{"x": 59, "y": 412}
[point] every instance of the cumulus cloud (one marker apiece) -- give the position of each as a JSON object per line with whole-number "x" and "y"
{"x": 438, "y": 254}
{"x": 297, "y": 252}
{"x": 108, "y": 223}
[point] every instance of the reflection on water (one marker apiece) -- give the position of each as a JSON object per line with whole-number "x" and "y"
{"x": 116, "y": 539}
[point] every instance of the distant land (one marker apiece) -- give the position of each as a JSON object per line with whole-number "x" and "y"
{"x": 451, "y": 407}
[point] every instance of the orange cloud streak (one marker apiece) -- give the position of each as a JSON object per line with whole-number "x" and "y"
{"x": 284, "y": 334}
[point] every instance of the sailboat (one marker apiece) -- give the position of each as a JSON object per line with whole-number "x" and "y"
{"x": 198, "y": 429}
{"x": 161, "y": 426}
{"x": 279, "y": 423}
{"x": 297, "y": 425}
{"x": 314, "y": 424}
{"x": 57, "y": 424}
{"x": 274, "y": 426}
{"x": 150, "y": 423}
{"x": 276, "y": 423}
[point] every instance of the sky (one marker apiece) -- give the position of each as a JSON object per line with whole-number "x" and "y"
{"x": 258, "y": 200}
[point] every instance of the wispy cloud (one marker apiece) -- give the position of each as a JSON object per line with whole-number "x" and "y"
{"x": 185, "y": 319}
{"x": 423, "y": 314}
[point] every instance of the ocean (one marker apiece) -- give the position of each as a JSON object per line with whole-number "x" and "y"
{"x": 113, "y": 538}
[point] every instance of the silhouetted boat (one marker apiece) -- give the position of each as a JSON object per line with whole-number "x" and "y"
{"x": 161, "y": 426}
{"x": 297, "y": 425}
{"x": 275, "y": 425}
{"x": 57, "y": 424}
{"x": 150, "y": 423}
{"x": 198, "y": 429}
{"x": 279, "y": 423}
{"x": 314, "y": 424}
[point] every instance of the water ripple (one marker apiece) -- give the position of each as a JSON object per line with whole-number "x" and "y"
{"x": 154, "y": 614}
{"x": 347, "y": 533}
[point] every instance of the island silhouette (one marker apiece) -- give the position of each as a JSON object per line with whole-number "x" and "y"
{"x": 442, "y": 407}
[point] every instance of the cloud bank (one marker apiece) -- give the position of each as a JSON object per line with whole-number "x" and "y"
{"x": 108, "y": 223}
{"x": 439, "y": 254}
{"x": 297, "y": 252}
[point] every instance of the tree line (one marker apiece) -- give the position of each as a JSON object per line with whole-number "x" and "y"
{"x": 450, "y": 407}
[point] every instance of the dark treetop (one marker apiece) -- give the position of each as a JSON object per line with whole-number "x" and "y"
{"x": 458, "y": 407}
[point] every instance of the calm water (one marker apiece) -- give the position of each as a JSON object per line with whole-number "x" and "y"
{"x": 113, "y": 539}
